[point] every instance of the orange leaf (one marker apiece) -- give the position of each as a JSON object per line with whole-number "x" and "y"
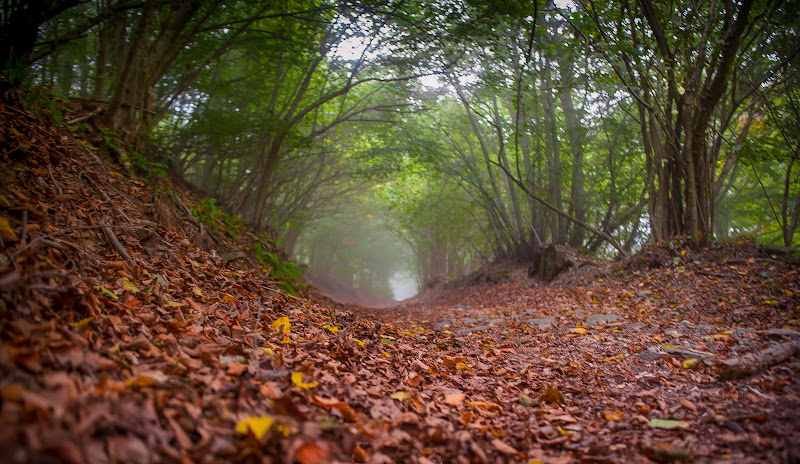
{"x": 359, "y": 455}
{"x": 311, "y": 453}
{"x": 454, "y": 399}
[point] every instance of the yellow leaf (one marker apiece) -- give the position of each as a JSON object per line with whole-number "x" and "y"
{"x": 171, "y": 304}
{"x": 788, "y": 292}
{"x": 406, "y": 333}
{"x": 198, "y": 291}
{"x": 447, "y": 332}
{"x": 387, "y": 354}
{"x": 6, "y": 231}
{"x": 139, "y": 381}
{"x": 127, "y": 285}
{"x": 462, "y": 366}
{"x": 423, "y": 330}
{"x": 689, "y": 363}
{"x": 286, "y": 341}
{"x": 283, "y": 325}
{"x": 577, "y": 330}
{"x": 331, "y": 328}
{"x": 615, "y": 358}
{"x": 360, "y": 343}
{"x": 268, "y": 351}
{"x": 297, "y": 379}
{"x": 258, "y": 426}
{"x": 614, "y": 415}
{"x": 401, "y": 395}
{"x": 82, "y": 323}
{"x": 683, "y": 252}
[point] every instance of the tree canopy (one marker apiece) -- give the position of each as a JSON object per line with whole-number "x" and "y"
{"x": 471, "y": 130}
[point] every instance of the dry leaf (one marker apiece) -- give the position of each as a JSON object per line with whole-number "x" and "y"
{"x": 298, "y": 379}
{"x": 257, "y": 425}
{"x": 311, "y": 453}
{"x": 359, "y": 454}
{"x": 454, "y": 399}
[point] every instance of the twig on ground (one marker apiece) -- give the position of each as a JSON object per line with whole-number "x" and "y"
{"x": 50, "y": 171}
{"x": 50, "y": 235}
{"x": 24, "y": 232}
{"x": 114, "y": 242}
{"x": 84, "y": 117}
{"x": 54, "y": 244}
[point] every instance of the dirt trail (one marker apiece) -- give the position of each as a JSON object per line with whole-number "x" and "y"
{"x": 619, "y": 369}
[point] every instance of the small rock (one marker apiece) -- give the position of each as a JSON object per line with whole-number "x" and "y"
{"x": 597, "y": 319}
{"x": 649, "y": 356}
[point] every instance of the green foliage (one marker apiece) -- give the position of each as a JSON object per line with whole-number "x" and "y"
{"x": 211, "y": 216}
{"x": 46, "y": 103}
{"x": 288, "y": 272}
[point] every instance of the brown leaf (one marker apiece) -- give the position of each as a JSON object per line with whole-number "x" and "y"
{"x": 552, "y": 395}
{"x": 311, "y": 453}
{"x": 236, "y": 368}
{"x": 454, "y": 399}
{"x": 359, "y": 454}
{"x": 503, "y": 447}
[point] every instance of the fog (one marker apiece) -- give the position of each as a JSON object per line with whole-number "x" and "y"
{"x": 354, "y": 257}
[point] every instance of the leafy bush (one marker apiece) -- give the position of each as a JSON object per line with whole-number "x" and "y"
{"x": 289, "y": 273}
{"x": 45, "y": 103}
{"x": 211, "y": 216}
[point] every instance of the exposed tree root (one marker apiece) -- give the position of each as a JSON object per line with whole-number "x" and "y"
{"x": 754, "y": 363}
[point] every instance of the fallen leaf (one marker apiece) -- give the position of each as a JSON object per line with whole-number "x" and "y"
{"x": 666, "y": 452}
{"x": 106, "y": 292}
{"x": 8, "y": 234}
{"x": 401, "y": 395}
{"x": 454, "y": 399}
{"x": 503, "y": 447}
{"x": 577, "y": 330}
{"x": 552, "y": 395}
{"x": 614, "y": 415}
{"x": 331, "y": 328}
{"x": 359, "y": 342}
{"x": 282, "y": 325}
{"x": 298, "y": 379}
{"x": 359, "y": 454}
{"x": 258, "y": 426}
{"x": 236, "y": 369}
{"x": 668, "y": 424}
{"x": 311, "y": 453}
{"x": 127, "y": 285}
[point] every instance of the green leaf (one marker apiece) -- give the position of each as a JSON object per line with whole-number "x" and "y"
{"x": 107, "y": 292}
{"x": 668, "y": 424}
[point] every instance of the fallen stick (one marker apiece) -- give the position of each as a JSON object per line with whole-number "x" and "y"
{"x": 753, "y": 363}
{"x": 112, "y": 240}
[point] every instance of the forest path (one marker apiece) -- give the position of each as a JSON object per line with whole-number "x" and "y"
{"x": 613, "y": 370}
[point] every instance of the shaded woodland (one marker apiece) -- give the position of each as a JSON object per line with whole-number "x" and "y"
{"x": 475, "y": 130}
{"x": 207, "y": 208}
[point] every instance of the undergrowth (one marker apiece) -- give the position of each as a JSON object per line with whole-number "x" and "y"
{"x": 215, "y": 219}
{"x": 289, "y": 273}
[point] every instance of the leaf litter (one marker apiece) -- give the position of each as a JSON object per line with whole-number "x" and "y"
{"x": 171, "y": 354}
